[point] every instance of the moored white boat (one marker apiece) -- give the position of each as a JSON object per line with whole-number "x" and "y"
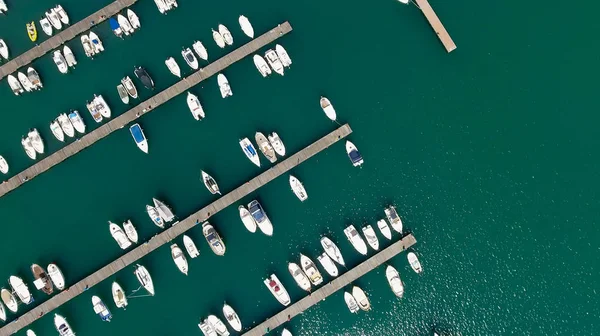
{"x": 161, "y": 5}
{"x": 232, "y": 317}
{"x": 298, "y": 188}
{"x": 394, "y": 280}
{"x": 195, "y": 107}
{"x": 283, "y": 55}
{"x": 138, "y": 136}
{"x": 276, "y": 288}
{"x": 91, "y": 106}
{"x": 3, "y": 165}
{"x": 246, "y": 26}
{"x": 371, "y": 237}
{"x": 277, "y": 144}
{"x": 125, "y": 24}
{"x": 56, "y": 275}
{"x": 224, "y": 86}
{"x": 14, "y": 84}
{"x": 119, "y": 295}
{"x": 101, "y": 309}
{"x": 261, "y": 65}
{"x": 260, "y": 217}
{"x": 101, "y": 106}
{"x": 163, "y": 210}
{"x": 328, "y": 264}
{"x": 123, "y": 94}
{"x": 57, "y": 131}
{"x": 355, "y": 239}
{"x": 286, "y": 332}
{"x": 332, "y": 250}
{"x": 200, "y": 50}
{"x": 143, "y": 276}
{"x": 3, "y": 49}
{"x": 3, "y": 7}
{"x": 173, "y": 66}
{"x": 351, "y": 302}
{"x": 213, "y": 239}
{"x": 299, "y": 276}
{"x": 20, "y": 288}
{"x": 210, "y": 183}
{"x": 34, "y": 78}
{"x": 28, "y": 147}
{"x": 328, "y": 108}
{"x": 310, "y": 269}
{"x": 218, "y": 39}
{"x": 154, "y": 216}
{"x": 190, "y": 246}
{"x": 60, "y": 61}
{"x": 25, "y": 82}
{"x": 46, "y": 26}
{"x": 88, "y": 48}
{"x": 9, "y": 300}
{"x": 116, "y": 28}
{"x": 361, "y": 298}
{"x": 119, "y": 235}
{"x": 96, "y": 42}
{"x": 62, "y": 14}
{"x": 247, "y": 219}
{"x": 207, "y": 329}
{"x": 218, "y": 325}
{"x": 414, "y": 262}
{"x": 77, "y": 121}
{"x": 274, "y": 61}
{"x": 265, "y": 147}
{"x": 190, "y": 58}
{"x": 353, "y": 154}
{"x": 30, "y": 333}
{"x": 226, "y": 34}
{"x": 36, "y": 140}
{"x": 133, "y": 19}
{"x": 130, "y": 231}
{"x": 393, "y": 218}
{"x": 179, "y": 259}
{"x": 69, "y": 56}
{"x": 384, "y": 228}
{"x": 66, "y": 125}
{"x": 62, "y": 326}
{"x": 130, "y": 87}
{"x": 250, "y": 151}
{"x": 52, "y": 16}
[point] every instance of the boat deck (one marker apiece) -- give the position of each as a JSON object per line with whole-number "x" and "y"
{"x": 149, "y": 105}
{"x": 171, "y": 233}
{"x": 64, "y": 36}
{"x": 330, "y": 288}
{"x": 436, "y": 24}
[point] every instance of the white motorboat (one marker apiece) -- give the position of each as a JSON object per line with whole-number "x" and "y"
{"x": 56, "y": 275}
{"x": 3, "y": 7}
{"x": 393, "y": 218}
{"x": 283, "y": 55}
{"x": 328, "y": 108}
{"x": 274, "y": 61}
{"x": 119, "y": 235}
{"x": 200, "y": 50}
{"x": 3, "y": 165}
{"x": 371, "y": 237}
{"x": 69, "y": 56}
{"x": 3, "y": 49}
{"x": 161, "y": 5}
{"x": 218, "y": 325}
{"x": 77, "y": 121}
{"x": 260, "y": 217}
{"x": 9, "y": 300}
{"x": 62, "y": 14}
{"x": 384, "y": 228}
{"x": 361, "y": 298}
{"x": 87, "y": 46}
{"x": 261, "y": 65}
{"x": 355, "y": 239}
{"x": 224, "y": 86}
{"x": 298, "y": 188}
{"x": 130, "y": 231}
{"x": 30, "y": 333}
{"x": 246, "y": 26}
{"x": 28, "y": 147}
{"x": 226, "y": 34}
{"x": 62, "y": 326}
{"x": 138, "y": 136}
{"x": 20, "y": 288}
{"x": 130, "y": 87}
{"x": 277, "y": 144}
{"x": 394, "y": 280}
{"x": 332, "y": 250}
{"x": 52, "y": 16}
{"x": 190, "y": 58}
{"x": 250, "y": 151}
{"x": 414, "y": 262}
{"x": 171, "y": 4}
{"x": 247, "y": 219}
{"x": 123, "y": 94}
{"x": 310, "y": 269}
{"x": 213, "y": 239}
{"x": 143, "y": 276}
{"x": 60, "y": 61}
{"x": 154, "y": 216}
{"x": 46, "y": 26}
{"x": 328, "y": 264}
{"x": 195, "y": 107}
{"x": 25, "y": 82}
{"x": 14, "y": 84}
{"x": 125, "y": 24}
{"x": 133, "y": 19}
{"x": 299, "y": 276}
{"x": 190, "y": 246}
{"x": 66, "y": 125}
{"x": 232, "y": 317}
{"x": 101, "y": 106}
{"x": 265, "y": 147}
{"x": 57, "y": 131}
{"x": 34, "y": 78}
{"x": 276, "y": 288}
{"x": 210, "y": 183}
{"x": 354, "y": 154}
{"x": 119, "y": 295}
{"x": 100, "y": 309}
{"x": 91, "y": 106}
{"x": 163, "y": 210}
{"x": 96, "y": 42}
{"x": 286, "y": 332}
{"x": 218, "y": 39}
{"x": 36, "y": 140}
{"x": 207, "y": 329}
{"x": 179, "y": 259}
{"x": 173, "y": 66}
{"x": 351, "y": 302}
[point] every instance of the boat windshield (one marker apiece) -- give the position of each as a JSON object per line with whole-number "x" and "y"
{"x": 355, "y": 156}
{"x": 257, "y": 213}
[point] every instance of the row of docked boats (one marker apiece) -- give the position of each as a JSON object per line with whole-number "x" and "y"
{"x": 370, "y": 236}
{"x": 189, "y": 57}
{"x": 159, "y": 213}
{"x": 65, "y": 59}
{"x": 33, "y": 143}
{"x": 54, "y": 19}
{"x": 98, "y": 108}
{"x": 122, "y": 25}
{"x": 25, "y": 82}
{"x": 67, "y": 124}
{"x": 92, "y": 44}
{"x": 123, "y": 236}
{"x": 269, "y": 146}
{"x": 165, "y": 5}
{"x": 213, "y": 326}
{"x": 127, "y": 89}
{"x": 255, "y": 217}
{"x": 277, "y": 60}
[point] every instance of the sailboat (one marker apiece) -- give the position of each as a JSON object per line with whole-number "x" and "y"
{"x": 274, "y": 61}
{"x": 393, "y": 218}
{"x": 355, "y": 239}
{"x": 232, "y": 317}
{"x": 42, "y": 281}
{"x": 179, "y": 259}
{"x": 260, "y": 217}
{"x": 214, "y": 240}
{"x": 246, "y": 26}
{"x": 218, "y": 325}
{"x": 200, "y": 50}
{"x": 351, "y": 302}
{"x": 28, "y": 147}
{"x": 123, "y": 94}
{"x": 69, "y": 56}
{"x": 328, "y": 264}
{"x": 57, "y": 131}
{"x": 155, "y": 217}
{"x": 310, "y": 270}
{"x": 66, "y": 125}
{"x": 101, "y": 309}
{"x": 36, "y": 140}
{"x": 173, "y": 66}
{"x": 277, "y": 144}
{"x": 190, "y": 246}
{"x": 224, "y": 86}
{"x": 384, "y": 228}
{"x": 133, "y": 18}
{"x": 34, "y": 78}
{"x": 283, "y": 56}
{"x": 143, "y": 276}
{"x": 226, "y": 34}
{"x": 77, "y": 121}
{"x": 189, "y": 58}
{"x": 265, "y": 147}
{"x": 56, "y": 275}
{"x": 46, "y": 26}
{"x": 125, "y": 25}
{"x": 14, "y": 84}
{"x": 210, "y": 183}
{"x": 361, "y": 298}
{"x": 276, "y": 288}
{"x": 298, "y": 188}
{"x": 20, "y": 288}
{"x": 218, "y": 39}
{"x": 371, "y": 237}
{"x": 130, "y": 87}
{"x": 332, "y": 250}
{"x": 130, "y": 231}
{"x": 9, "y": 300}
{"x": 250, "y": 151}
{"x": 261, "y": 65}
{"x": 163, "y": 210}
{"x": 354, "y": 154}
{"x": 393, "y": 279}
{"x": 118, "y": 295}
{"x": 62, "y": 326}
{"x": 299, "y": 276}
{"x": 119, "y": 236}
{"x": 414, "y": 262}
{"x": 25, "y": 82}
{"x": 138, "y": 136}
{"x": 60, "y": 61}
{"x": 3, "y": 165}
{"x": 195, "y": 107}
{"x": 328, "y": 108}
{"x": 247, "y": 219}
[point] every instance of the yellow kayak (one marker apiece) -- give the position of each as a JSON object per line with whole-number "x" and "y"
{"x": 32, "y": 31}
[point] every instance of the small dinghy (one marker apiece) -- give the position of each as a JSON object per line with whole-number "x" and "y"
{"x": 118, "y": 295}
{"x": 217, "y": 325}
{"x": 9, "y": 300}
{"x": 190, "y": 246}
{"x": 138, "y": 136}
{"x": 119, "y": 235}
{"x": 226, "y": 34}
{"x": 354, "y": 154}
{"x": 123, "y": 94}
{"x": 130, "y": 87}
{"x": 3, "y": 49}
{"x": 62, "y": 14}
{"x": 34, "y": 78}
{"x": 116, "y": 27}
{"x": 190, "y": 58}
{"x": 361, "y": 298}
{"x": 260, "y": 217}
{"x": 36, "y": 140}
{"x": 143, "y": 76}
{"x": 143, "y": 276}
{"x": 218, "y": 39}
{"x": 163, "y": 210}
{"x": 21, "y": 289}
{"x": 274, "y": 61}
{"x": 42, "y": 281}
{"x": 200, "y": 50}
{"x": 195, "y": 107}
{"x": 3, "y": 165}
{"x": 283, "y": 56}
{"x": 332, "y": 250}
{"x": 60, "y": 61}
{"x": 393, "y": 218}
{"x": 125, "y": 25}
{"x": 246, "y": 26}
{"x": 179, "y": 259}
{"x": 69, "y": 56}
{"x": 277, "y": 144}
{"x": 65, "y": 125}
{"x": 31, "y": 31}
{"x": 384, "y": 228}
{"x": 57, "y": 131}
{"x": 94, "y": 111}
{"x": 328, "y": 264}
{"x": 28, "y": 147}
{"x": 100, "y": 309}
{"x": 130, "y": 231}
{"x": 265, "y": 147}
{"x": 298, "y": 188}
{"x": 155, "y": 217}
{"x": 77, "y": 121}
{"x": 101, "y": 106}
{"x": 299, "y": 276}
{"x": 414, "y": 262}
{"x": 173, "y": 66}
{"x": 14, "y": 84}
{"x": 214, "y": 240}
{"x": 328, "y": 108}
{"x": 393, "y": 279}
{"x": 224, "y": 86}
{"x": 210, "y": 183}
{"x": 133, "y": 19}
{"x": 311, "y": 271}
{"x": 206, "y": 328}
{"x": 25, "y": 82}
{"x": 56, "y": 275}
{"x": 247, "y": 219}
{"x": 250, "y": 151}
{"x": 96, "y": 42}
{"x": 52, "y": 16}
{"x": 371, "y": 237}
{"x": 277, "y": 289}
{"x": 355, "y": 239}
{"x": 232, "y": 317}
{"x": 261, "y": 65}
{"x": 351, "y": 302}
{"x": 62, "y": 326}
{"x": 46, "y": 26}
{"x": 87, "y": 46}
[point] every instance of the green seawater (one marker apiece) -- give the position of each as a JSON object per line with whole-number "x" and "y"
{"x": 490, "y": 154}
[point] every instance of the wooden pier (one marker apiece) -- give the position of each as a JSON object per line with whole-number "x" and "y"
{"x": 436, "y": 24}
{"x": 328, "y": 289}
{"x": 171, "y": 233}
{"x": 63, "y": 36}
{"x": 144, "y": 107}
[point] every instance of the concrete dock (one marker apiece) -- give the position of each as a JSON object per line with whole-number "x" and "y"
{"x": 171, "y": 233}
{"x": 143, "y": 108}
{"x": 63, "y": 36}
{"x": 436, "y": 24}
{"x": 328, "y": 289}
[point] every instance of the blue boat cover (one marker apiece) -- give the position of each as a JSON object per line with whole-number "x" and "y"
{"x": 114, "y": 24}
{"x": 355, "y": 156}
{"x": 136, "y": 132}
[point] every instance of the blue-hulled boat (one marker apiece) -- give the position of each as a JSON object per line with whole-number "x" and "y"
{"x": 138, "y": 136}
{"x": 116, "y": 28}
{"x": 101, "y": 309}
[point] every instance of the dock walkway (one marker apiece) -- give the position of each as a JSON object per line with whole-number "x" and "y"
{"x": 141, "y": 109}
{"x": 333, "y": 286}
{"x": 171, "y": 233}
{"x": 64, "y": 36}
{"x": 436, "y": 24}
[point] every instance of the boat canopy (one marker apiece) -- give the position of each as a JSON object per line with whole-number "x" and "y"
{"x": 39, "y": 283}
{"x": 355, "y": 156}
{"x": 136, "y": 132}
{"x": 114, "y": 25}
